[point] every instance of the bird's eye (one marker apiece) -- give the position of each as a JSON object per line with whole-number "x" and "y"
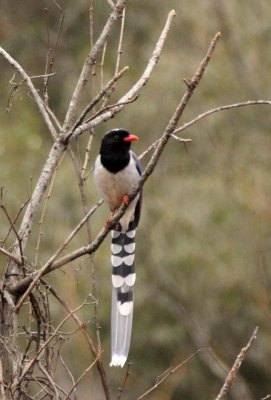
{"x": 116, "y": 138}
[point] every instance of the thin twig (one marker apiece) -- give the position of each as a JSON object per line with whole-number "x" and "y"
{"x": 89, "y": 340}
{"x": 42, "y": 270}
{"x": 45, "y": 344}
{"x": 32, "y": 89}
{"x": 69, "y": 373}
{"x": 87, "y": 156}
{"x": 137, "y": 86}
{"x": 44, "y": 370}
{"x": 167, "y": 373}
{"x": 52, "y": 59}
{"x": 19, "y": 240}
{"x": 103, "y": 110}
{"x": 119, "y": 52}
{"x": 15, "y": 219}
{"x": 11, "y": 256}
{"x": 82, "y": 376}
{"x": 90, "y": 61}
{"x": 121, "y": 389}
{"x": 92, "y": 104}
{"x": 236, "y": 366}
{"x": 221, "y": 108}
{"x": 43, "y": 213}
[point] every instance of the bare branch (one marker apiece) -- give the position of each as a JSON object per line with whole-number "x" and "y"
{"x": 138, "y": 85}
{"x": 166, "y": 374}
{"x": 127, "y": 374}
{"x": 32, "y": 89}
{"x": 90, "y": 61}
{"x": 89, "y": 340}
{"x": 221, "y": 108}
{"x": 33, "y": 279}
{"x": 11, "y": 256}
{"x": 45, "y": 344}
{"x": 120, "y": 41}
{"x": 81, "y": 377}
{"x": 98, "y": 98}
{"x": 111, "y": 3}
{"x": 236, "y": 366}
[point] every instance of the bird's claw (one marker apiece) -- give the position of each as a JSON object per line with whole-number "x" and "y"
{"x": 125, "y": 199}
{"x": 109, "y": 219}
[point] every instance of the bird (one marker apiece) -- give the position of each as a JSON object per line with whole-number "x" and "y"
{"x": 117, "y": 172}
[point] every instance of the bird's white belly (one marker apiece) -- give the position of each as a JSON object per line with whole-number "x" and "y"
{"x": 113, "y": 187}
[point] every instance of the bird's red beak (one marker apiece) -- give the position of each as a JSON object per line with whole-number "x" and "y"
{"x": 130, "y": 138}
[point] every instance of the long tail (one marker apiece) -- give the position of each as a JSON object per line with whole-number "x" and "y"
{"x": 123, "y": 280}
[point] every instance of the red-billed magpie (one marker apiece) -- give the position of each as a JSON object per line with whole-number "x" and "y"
{"x": 116, "y": 173}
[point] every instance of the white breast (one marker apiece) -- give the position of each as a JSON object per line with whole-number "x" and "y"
{"x": 113, "y": 187}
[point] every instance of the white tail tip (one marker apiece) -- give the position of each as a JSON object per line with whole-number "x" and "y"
{"x": 118, "y": 361}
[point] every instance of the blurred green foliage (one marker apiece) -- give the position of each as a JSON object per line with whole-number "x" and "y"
{"x": 203, "y": 246}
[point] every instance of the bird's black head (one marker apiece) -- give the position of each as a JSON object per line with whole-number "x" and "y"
{"x": 115, "y": 148}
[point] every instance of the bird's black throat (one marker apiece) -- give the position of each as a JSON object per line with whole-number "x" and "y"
{"x": 115, "y": 161}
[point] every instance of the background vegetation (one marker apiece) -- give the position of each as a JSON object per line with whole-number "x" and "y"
{"x": 203, "y": 246}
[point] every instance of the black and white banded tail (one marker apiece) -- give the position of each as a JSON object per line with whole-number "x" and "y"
{"x": 123, "y": 280}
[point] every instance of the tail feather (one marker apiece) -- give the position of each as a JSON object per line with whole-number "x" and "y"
{"x": 123, "y": 280}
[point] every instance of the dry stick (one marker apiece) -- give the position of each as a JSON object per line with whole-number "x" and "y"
{"x": 131, "y": 94}
{"x": 15, "y": 219}
{"x": 102, "y": 64}
{"x": 236, "y": 366}
{"x": 32, "y": 89}
{"x": 45, "y": 372}
{"x": 43, "y": 212}
{"x": 89, "y": 340}
{"x": 34, "y": 277}
{"x": 110, "y": 107}
{"x": 167, "y": 373}
{"x": 90, "y": 61}
{"x": 96, "y": 100}
{"x": 69, "y": 373}
{"x": 11, "y": 256}
{"x": 121, "y": 389}
{"x": 82, "y": 188}
{"x": 33, "y": 360}
{"x": 111, "y": 3}
{"x": 87, "y": 157}
{"x": 52, "y": 58}
{"x": 81, "y": 377}
{"x": 19, "y": 241}
{"x": 221, "y": 108}
{"x": 119, "y": 52}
